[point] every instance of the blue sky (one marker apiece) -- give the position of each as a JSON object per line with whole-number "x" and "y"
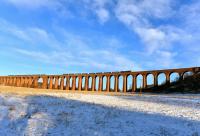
{"x": 67, "y": 36}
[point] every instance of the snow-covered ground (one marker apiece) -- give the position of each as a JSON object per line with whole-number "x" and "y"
{"x": 99, "y": 115}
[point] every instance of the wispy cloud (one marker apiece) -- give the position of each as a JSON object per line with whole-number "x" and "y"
{"x": 137, "y": 16}
{"x": 73, "y": 51}
{"x": 32, "y": 35}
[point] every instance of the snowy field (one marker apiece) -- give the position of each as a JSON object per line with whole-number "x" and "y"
{"x": 99, "y": 115}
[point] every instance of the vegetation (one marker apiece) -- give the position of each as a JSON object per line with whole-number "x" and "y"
{"x": 190, "y": 84}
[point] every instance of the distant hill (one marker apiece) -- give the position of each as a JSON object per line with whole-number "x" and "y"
{"x": 190, "y": 84}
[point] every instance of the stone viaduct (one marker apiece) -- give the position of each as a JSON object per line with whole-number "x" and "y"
{"x": 100, "y": 82}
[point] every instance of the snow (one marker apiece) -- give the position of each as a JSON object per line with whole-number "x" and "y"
{"x": 99, "y": 115}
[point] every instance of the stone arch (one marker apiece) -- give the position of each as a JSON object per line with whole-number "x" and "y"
{"x": 83, "y": 83}
{"x": 59, "y": 82}
{"x": 197, "y": 73}
{"x": 112, "y": 83}
{"x": 54, "y": 82}
{"x": 30, "y": 82}
{"x": 97, "y": 83}
{"x": 25, "y": 81}
{"x": 162, "y": 78}
{"x": 174, "y": 76}
{"x": 129, "y": 83}
{"x": 62, "y": 82}
{"x": 150, "y": 80}
{"x": 187, "y": 74}
{"x": 104, "y": 82}
{"x": 21, "y": 81}
{"x": 139, "y": 81}
{"x": 23, "y": 84}
{"x": 120, "y": 83}
{"x": 48, "y": 82}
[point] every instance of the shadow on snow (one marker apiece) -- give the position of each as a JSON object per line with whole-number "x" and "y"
{"x": 48, "y": 115}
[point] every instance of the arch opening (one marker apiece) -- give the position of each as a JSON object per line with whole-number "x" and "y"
{"x": 139, "y": 80}
{"x": 112, "y": 83}
{"x": 174, "y": 77}
{"x": 48, "y": 82}
{"x": 59, "y": 82}
{"x": 161, "y": 79}
{"x": 129, "y": 83}
{"x": 104, "y": 83}
{"x": 150, "y": 80}
{"x": 187, "y": 74}
{"x": 89, "y": 83}
{"x": 40, "y": 82}
{"x": 83, "y": 83}
{"x": 65, "y": 83}
{"x": 97, "y": 83}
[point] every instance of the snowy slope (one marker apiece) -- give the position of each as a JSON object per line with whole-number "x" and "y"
{"x": 88, "y": 115}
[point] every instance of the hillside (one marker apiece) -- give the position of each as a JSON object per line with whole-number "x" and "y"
{"x": 190, "y": 84}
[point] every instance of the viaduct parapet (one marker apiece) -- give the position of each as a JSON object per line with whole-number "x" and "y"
{"x": 123, "y": 81}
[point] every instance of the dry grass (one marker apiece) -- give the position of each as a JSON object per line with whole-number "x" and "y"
{"x": 31, "y": 91}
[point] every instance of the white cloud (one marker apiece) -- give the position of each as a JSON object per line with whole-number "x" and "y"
{"x": 129, "y": 13}
{"x": 137, "y": 13}
{"x": 103, "y": 15}
{"x": 156, "y": 8}
{"x": 136, "y": 16}
{"x": 99, "y": 8}
{"x": 109, "y": 61}
{"x": 33, "y": 54}
{"x": 31, "y": 35}
{"x": 166, "y": 59}
{"x": 153, "y": 38}
{"x": 12, "y": 29}
{"x": 190, "y": 15}
{"x": 57, "y": 6}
